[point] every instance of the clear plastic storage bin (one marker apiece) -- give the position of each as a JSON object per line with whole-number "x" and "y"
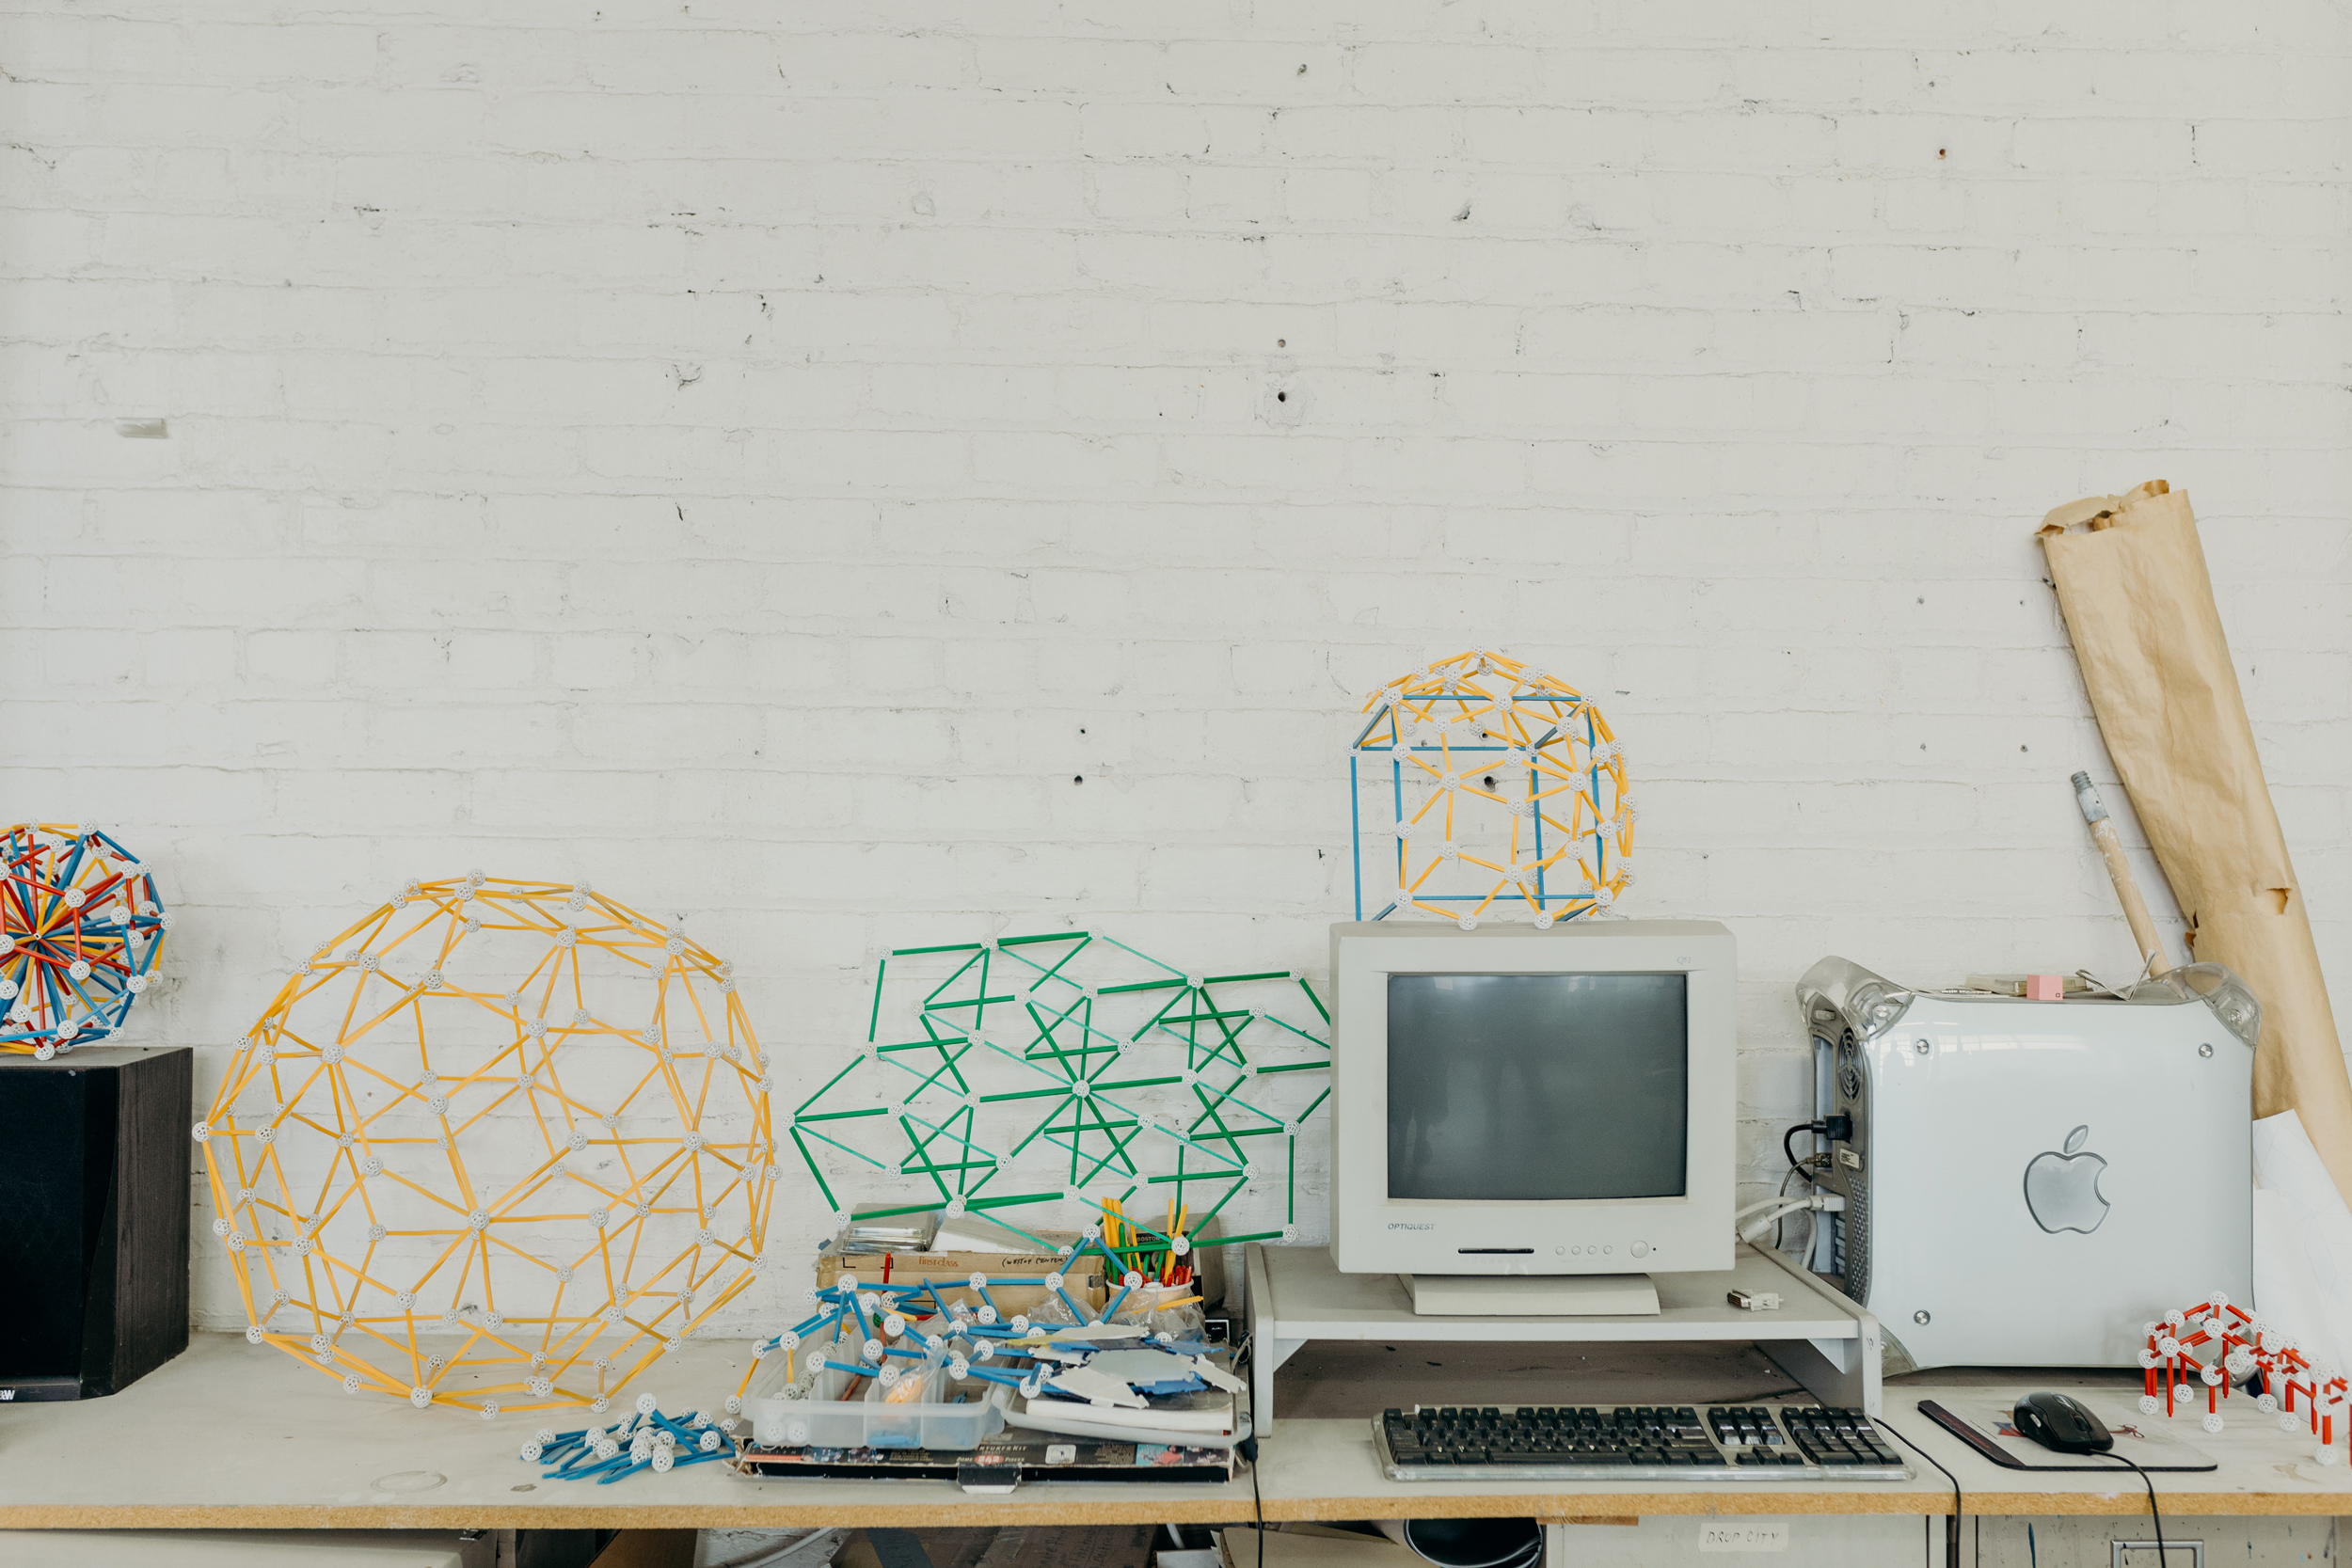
{"x": 846, "y": 1411}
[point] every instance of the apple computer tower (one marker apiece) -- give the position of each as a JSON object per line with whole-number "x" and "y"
{"x": 1531, "y": 1122}
{"x": 2028, "y": 1184}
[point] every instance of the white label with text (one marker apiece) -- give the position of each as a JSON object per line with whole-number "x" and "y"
{"x": 1768, "y": 1537}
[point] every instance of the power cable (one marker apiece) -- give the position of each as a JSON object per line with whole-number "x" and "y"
{"x": 2149, "y": 1481}
{"x": 1837, "y": 1129}
{"x": 1247, "y": 1447}
{"x": 1951, "y": 1536}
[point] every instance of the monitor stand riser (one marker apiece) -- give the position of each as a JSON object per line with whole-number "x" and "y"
{"x": 1521, "y": 1295}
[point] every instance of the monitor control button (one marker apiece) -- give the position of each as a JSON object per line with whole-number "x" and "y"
{"x": 1609, "y": 1249}
{"x": 1640, "y": 1249}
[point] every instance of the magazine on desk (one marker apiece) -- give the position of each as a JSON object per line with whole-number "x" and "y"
{"x": 1986, "y": 1426}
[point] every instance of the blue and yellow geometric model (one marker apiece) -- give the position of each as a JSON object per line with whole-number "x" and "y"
{"x": 1479, "y": 786}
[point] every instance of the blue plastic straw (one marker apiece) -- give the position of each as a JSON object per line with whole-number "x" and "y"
{"x": 991, "y": 1374}
{"x": 624, "y": 1467}
{"x": 849, "y": 1367}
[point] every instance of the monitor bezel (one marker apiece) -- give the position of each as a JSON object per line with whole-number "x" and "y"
{"x": 1374, "y": 1233}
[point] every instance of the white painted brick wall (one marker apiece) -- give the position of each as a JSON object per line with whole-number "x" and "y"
{"x": 758, "y": 457}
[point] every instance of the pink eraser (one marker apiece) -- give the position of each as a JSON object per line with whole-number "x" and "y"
{"x": 2045, "y": 988}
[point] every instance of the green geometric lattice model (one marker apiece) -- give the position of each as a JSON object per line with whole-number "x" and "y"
{"x": 1068, "y": 1068}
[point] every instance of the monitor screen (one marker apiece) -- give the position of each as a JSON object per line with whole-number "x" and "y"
{"x": 1537, "y": 1087}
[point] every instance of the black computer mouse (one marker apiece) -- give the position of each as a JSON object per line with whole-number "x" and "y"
{"x": 2061, "y": 1422}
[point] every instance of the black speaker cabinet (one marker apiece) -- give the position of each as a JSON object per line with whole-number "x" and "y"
{"x": 94, "y": 1159}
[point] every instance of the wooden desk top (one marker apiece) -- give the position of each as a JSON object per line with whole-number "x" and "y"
{"x": 233, "y": 1436}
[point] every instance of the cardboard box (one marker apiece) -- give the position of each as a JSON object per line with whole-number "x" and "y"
{"x": 1209, "y": 1264}
{"x": 951, "y": 1270}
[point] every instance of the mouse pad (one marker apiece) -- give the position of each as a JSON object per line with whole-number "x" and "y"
{"x": 1987, "y": 1428}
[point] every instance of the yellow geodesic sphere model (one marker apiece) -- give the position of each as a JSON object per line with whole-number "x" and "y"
{"x": 500, "y": 1142}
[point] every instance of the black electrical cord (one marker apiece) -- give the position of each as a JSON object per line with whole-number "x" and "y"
{"x": 1951, "y": 1538}
{"x": 2149, "y": 1481}
{"x": 1247, "y": 1447}
{"x": 1787, "y": 1145}
{"x": 1835, "y": 1128}
{"x": 1784, "y": 1219}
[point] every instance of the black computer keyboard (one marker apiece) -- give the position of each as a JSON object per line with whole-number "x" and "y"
{"x": 1632, "y": 1442}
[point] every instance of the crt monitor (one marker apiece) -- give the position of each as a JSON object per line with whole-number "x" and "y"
{"x": 1508, "y": 1100}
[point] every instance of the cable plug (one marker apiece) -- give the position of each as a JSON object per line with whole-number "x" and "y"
{"x": 1827, "y": 1203}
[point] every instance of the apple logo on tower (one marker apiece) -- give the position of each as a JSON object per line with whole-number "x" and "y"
{"x": 2062, "y": 1190}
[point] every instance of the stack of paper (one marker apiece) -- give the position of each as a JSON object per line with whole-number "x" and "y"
{"x": 1202, "y": 1419}
{"x": 1140, "y": 1395}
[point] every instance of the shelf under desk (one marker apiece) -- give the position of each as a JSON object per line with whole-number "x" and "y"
{"x": 1824, "y": 1341}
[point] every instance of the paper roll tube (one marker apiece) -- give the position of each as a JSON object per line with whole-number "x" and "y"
{"x": 2119, "y": 872}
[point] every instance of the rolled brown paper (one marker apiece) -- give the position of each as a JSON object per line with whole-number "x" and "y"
{"x": 2138, "y": 605}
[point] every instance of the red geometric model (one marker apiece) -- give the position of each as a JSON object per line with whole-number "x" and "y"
{"x": 2243, "y": 1345}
